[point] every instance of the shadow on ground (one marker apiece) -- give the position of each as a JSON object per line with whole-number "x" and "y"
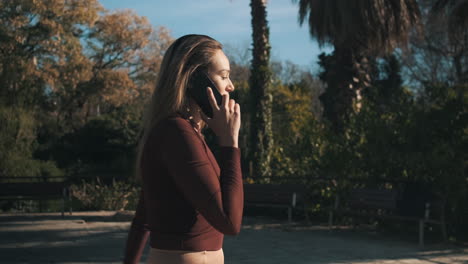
{"x": 99, "y": 237}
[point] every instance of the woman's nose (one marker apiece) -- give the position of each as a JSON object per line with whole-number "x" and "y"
{"x": 230, "y": 87}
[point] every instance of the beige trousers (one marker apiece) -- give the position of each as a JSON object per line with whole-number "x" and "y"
{"x": 162, "y": 256}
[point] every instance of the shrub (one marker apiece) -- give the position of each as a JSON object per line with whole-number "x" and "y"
{"x": 96, "y": 195}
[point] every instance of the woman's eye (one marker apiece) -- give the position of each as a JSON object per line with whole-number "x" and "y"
{"x": 224, "y": 78}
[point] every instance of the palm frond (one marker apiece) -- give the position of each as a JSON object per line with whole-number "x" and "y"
{"x": 374, "y": 26}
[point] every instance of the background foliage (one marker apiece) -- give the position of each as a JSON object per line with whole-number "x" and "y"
{"x": 74, "y": 79}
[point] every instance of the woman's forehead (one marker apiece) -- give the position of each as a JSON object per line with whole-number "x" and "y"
{"x": 220, "y": 62}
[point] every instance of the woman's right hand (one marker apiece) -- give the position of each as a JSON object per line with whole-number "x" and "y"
{"x": 226, "y": 119}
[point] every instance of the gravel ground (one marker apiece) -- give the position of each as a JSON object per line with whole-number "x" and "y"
{"x": 99, "y": 237}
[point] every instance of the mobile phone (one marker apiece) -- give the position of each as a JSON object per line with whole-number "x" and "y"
{"x": 198, "y": 91}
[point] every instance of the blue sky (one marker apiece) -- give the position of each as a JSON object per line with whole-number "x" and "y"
{"x": 228, "y": 21}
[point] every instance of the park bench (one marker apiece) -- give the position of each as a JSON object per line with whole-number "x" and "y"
{"x": 37, "y": 191}
{"x": 275, "y": 195}
{"x": 384, "y": 203}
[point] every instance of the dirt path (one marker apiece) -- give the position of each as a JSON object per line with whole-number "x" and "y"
{"x": 99, "y": 237}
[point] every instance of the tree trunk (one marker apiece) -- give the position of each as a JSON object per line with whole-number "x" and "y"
{"x": 346, "y": 74}
{"x": 261, "y": 138}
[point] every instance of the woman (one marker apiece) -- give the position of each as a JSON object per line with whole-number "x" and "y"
{"x": 188, "y": 201}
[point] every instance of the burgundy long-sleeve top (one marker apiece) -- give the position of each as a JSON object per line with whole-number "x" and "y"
{"x": 189, "y": 200}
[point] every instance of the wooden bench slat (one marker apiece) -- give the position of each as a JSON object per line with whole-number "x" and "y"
{"x": 273, "y": 195}
{"x": 373, "y": 199}
{"x": 382, "y": 203}
{"x": 31, "y": 189}
{"x": 36, "y": 191}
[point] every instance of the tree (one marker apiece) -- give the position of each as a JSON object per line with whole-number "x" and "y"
{"x": 457, "y": 13}
{"x": 117, "y": 65}
{"x": 123, "y": 54}
{"x": 436, "y": 57}
{"x": 35, "y": 37}
{"x": 18, "y": 143}
{"x": 357, "y": 30}
{"x": 261, "y": 137}
{"x": 63, "y": 63}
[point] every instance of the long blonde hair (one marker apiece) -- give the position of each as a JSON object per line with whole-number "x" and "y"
{"x": 181, "y": 59}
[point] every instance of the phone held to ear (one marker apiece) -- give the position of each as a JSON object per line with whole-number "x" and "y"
{"x": 198, "y": 91}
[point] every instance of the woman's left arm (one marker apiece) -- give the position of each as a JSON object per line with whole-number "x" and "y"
{"x": 138, "y": 234}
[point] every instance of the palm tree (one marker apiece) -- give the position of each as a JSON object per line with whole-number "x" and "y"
{"x": 358, "y": 30}
{"x": 261, "y": 138}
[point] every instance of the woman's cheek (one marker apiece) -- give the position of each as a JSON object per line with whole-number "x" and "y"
{"x": 220, "y": 86}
